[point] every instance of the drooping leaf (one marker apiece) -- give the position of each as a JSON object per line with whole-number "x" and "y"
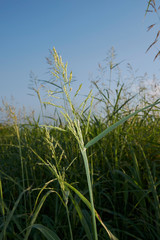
{"x": 88, "y": 204}
{"x": 49, "y": 234}
{"x": 151, "y": 45}
{"x": 157, "y": 55}
{"x": 150, "y": 27}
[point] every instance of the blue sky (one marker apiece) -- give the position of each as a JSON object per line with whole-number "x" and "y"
{"x": 82, "y": 31}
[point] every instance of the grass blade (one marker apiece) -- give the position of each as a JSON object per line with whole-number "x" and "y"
{"x": 111, "y": 128}
{"x": 88, "y": 204}
{"x": 49, "y": 234}
{"x": 81, "y": 217}
{"x": 35, "y": 215}
{"x": 9, "y": 217}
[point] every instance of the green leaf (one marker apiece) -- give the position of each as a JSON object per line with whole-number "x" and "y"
{"x": 149, "y": 3}
{"x": 82, "y": 218}
{"x": 35, "y": 215}
{"x": 88, "y": 204}
{"x": 49, "y": 234}
{"x": 111, "y": 128}
{"x": 10, "y": 215}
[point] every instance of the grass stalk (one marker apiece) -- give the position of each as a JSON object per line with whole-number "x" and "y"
{"x": 83, "y": 151}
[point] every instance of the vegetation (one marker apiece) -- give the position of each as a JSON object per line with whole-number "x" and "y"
{"x": 87, "y": 174}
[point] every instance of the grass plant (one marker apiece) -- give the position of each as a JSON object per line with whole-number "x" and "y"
{"x": 82, "y": 176}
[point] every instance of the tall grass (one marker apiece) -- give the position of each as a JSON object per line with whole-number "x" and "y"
{"x": 82, "y": 176}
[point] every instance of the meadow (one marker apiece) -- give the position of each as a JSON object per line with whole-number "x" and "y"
{"x": 86, "y": 174}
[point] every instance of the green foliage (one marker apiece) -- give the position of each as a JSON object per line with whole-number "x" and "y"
{"x": 50, "y": 174}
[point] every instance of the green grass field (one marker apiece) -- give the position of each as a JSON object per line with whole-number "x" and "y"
{"x": 85, "y": 175}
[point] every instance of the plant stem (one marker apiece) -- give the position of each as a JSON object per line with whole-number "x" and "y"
{"x": 83, "y": 151}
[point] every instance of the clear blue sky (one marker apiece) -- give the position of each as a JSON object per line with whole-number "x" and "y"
{"x": 82, "y": 31}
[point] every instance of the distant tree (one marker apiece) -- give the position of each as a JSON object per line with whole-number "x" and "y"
{"x": 153, "y": 7}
